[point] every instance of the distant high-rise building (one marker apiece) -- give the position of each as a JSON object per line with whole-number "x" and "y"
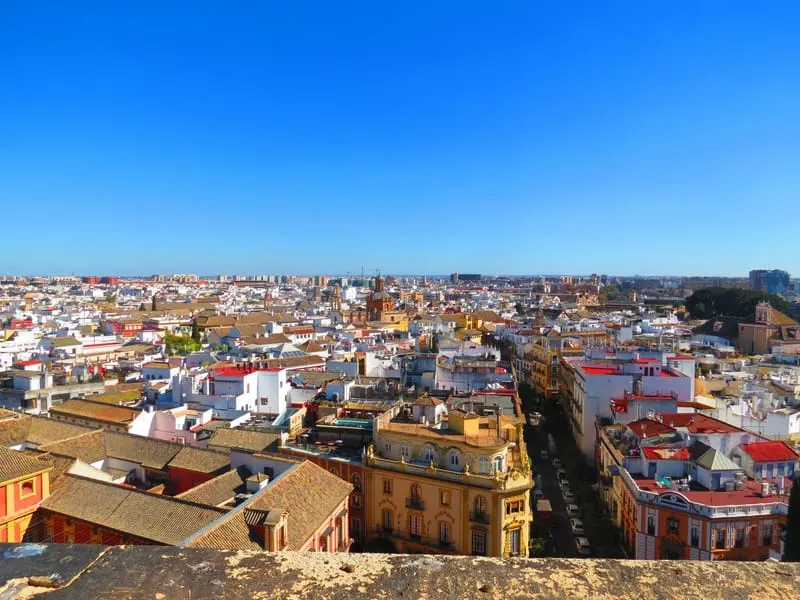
{"x": 772, "y": 281}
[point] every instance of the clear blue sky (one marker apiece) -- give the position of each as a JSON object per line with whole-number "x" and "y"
{"x": 531, "y": 136}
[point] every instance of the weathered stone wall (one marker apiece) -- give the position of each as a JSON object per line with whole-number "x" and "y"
{"x": 78, "y": 571}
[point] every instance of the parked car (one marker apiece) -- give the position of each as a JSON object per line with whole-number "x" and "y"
{"x": 544, "y": 455}
{"x": 577, "y": 526}
{"x": 573, "y": 510}
{"x": 563, "y": 482}
{"x": 556, "y": 462}
{"x": 569, "y": 497}
{"x": 562, "y": 474}
{"x": 584, "y": 549}
{"x": 538, "y": 494}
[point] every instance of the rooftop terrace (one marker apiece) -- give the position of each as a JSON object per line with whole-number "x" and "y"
{"x": 83, "y": 571}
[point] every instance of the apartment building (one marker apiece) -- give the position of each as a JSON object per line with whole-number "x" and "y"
{"x": 622, "y": 388}
{"x": 454, "y": 484}
{"x": 687, "y": 486}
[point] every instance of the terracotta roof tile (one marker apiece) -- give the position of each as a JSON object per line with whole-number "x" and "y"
{"x": 14, "y": 464}
{"x": 148, "y": 516}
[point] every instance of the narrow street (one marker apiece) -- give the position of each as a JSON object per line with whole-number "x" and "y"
{"x": 563, "y": 540}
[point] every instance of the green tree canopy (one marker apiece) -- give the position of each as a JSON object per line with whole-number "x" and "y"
{"x": 180, "y": 344}
{"x": 708, "y": 303}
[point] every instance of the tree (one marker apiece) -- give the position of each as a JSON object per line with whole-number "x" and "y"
{"x": 153, "y": 304}
{"x": 708, "y": 303}
{"x": 792, "y": 548}
{"x": 195, "y": 331}
{"x": 111, "y": 298}
{"x": 180, "y": 344}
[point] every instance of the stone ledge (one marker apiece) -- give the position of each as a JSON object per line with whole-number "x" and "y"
{"x": 79, "y": 571}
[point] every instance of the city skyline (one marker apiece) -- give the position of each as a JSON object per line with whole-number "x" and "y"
{"x": 304, "y": 138}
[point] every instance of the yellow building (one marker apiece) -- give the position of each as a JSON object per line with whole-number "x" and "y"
{"x": 456, "y": 483}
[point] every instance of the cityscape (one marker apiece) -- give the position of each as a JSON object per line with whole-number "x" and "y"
{"x": 594, "y": 416}
{"x": 399, "y": 300}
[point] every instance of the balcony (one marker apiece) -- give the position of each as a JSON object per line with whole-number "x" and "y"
{"x": 479, "y": 516}
{"x": 415, "y": 503}
{"x": 435, "y": 545}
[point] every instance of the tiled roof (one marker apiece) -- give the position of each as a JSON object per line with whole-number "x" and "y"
{"x": 220, "y": 489}
{"x": 648, "y": 428}
{"x": 151, "y": 453}
{"x": 149, "y": 516}
{"x": 200, "y": 460}
{"x": 36, "y": 430}
{"x": 256, "y": 441}
{"x": 698, "y": 423}
{"x": 769, "y": 451}
{"x": 15, "y": 464}
{"x": 308, "y": 492}
{"x": 88, "y": 447}
{"x": 97, "y": 411}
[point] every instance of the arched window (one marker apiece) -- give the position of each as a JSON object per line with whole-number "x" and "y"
{"x": 483, "y": 464}
{"x": 454, "y": 460}
{"x": 498, "y": 464}
{"x": 356, "y": 481}
{"x": 405, "y": 452}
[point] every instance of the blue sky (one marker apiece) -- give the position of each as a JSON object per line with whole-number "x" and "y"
{"x": 526, "y": 136}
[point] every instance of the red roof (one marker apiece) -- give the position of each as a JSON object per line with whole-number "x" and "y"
{"x": 751, "y": 494}
{"x": 665, "y": 373}
{"x": 656, "y": 453}
{"x": 29, "y": 363}
{"x": 698, "y": 423}
{"x": 642, "y": 361}
{"x": 769, "y": 451}
{"x": 648, "y": 428}
{"x": 600, "y": 370}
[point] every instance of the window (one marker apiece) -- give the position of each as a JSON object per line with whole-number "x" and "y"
{"x": 515, "y": 506}
{"x": 387, "y": 448}
{"x": 719, "y": 540}
{"x": 444, "y": 497}
{"x": 651, "y": 525}
{"x": 483, "y": 464}
{"x": 694, "y": 538}
{"x": 478, "y": 545}
{"x": 387, "y": 486}
{"x": 355, "y": 526}
{"x": 429, "y": 454}
{"x": 514, "y": 542}
{"x": 387, "y": 520}
{"x": 766, "y": 535}
{"x": 28, "y": 489}
{"x": 672, "y": 525}
{"x": 498, "y": 464}
{"x": 356, "y": 501}
{"x": 480, "y": 506}
{"x": 444, "y": 533}
{"x": 415, "y": 526}
{"x": 282, "y": 538}
{"x": 405, "y": 452}
{"x": 738, "y": 540}
{"x": 415, "y": 491}
{"x": 356, "y": 481}
{"x": 455, "y": 460}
